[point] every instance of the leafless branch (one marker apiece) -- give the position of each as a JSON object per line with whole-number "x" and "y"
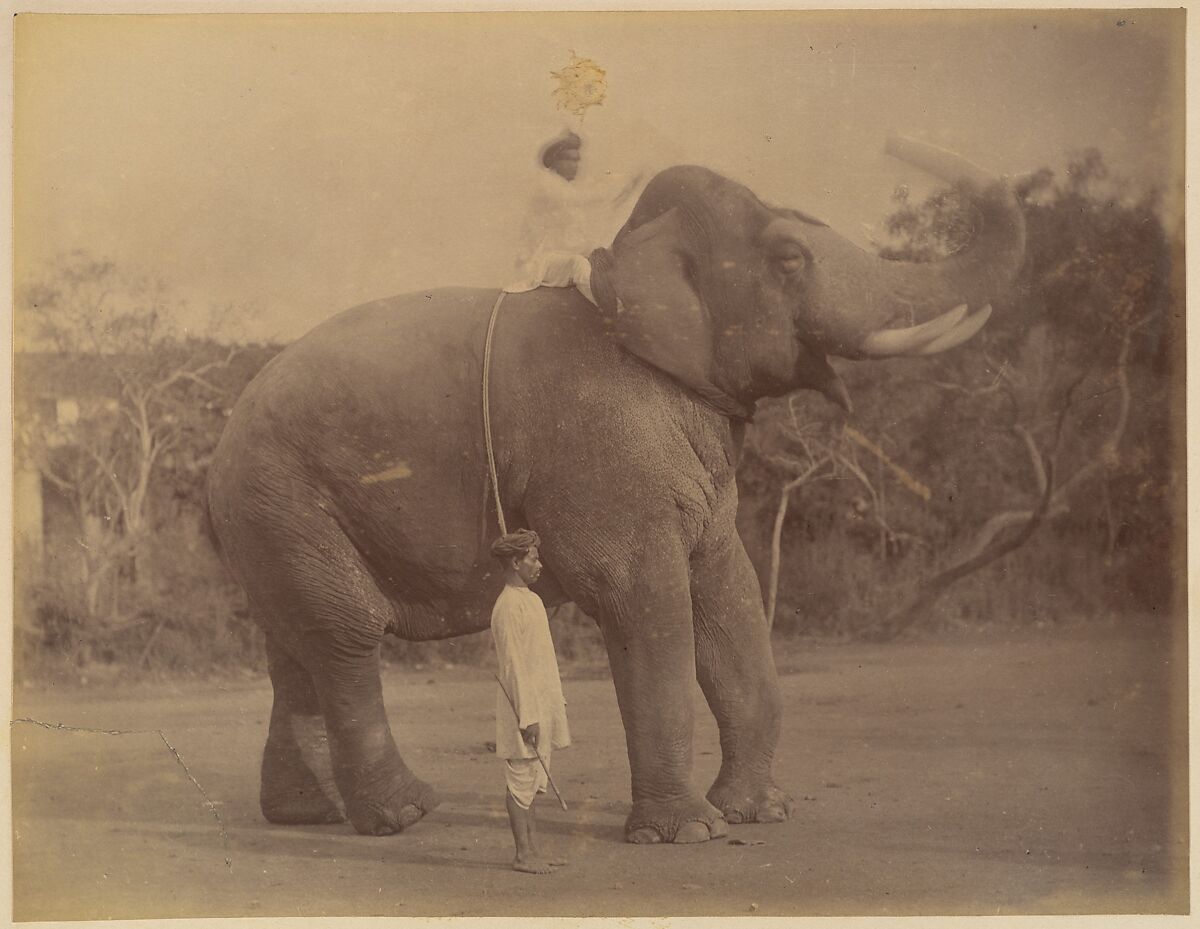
{"x": 196, "y": 375}
{"x": 1035, "y": 456}
{"x": 1052, "y": 499}
{"x": 785, "y": 494}
{"x": 933, "y": 588}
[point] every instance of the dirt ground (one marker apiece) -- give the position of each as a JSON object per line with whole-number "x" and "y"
{"x": 1040, "y": 775}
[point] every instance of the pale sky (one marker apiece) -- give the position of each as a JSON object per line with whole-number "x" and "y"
{"x": 297, "y": 164}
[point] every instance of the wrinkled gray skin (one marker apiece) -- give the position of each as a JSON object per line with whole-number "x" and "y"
{"x": 349, "y": 492}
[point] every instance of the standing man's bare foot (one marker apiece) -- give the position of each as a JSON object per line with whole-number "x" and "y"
{"x": 556, "y": 862}
{"x": 531, "y": 865}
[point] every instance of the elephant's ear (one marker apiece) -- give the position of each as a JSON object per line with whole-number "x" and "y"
{"x": 648, "y": 300}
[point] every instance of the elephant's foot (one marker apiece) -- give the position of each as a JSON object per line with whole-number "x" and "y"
{"x": 391, "y": 809}
{"x": 750, "y": 802}
{"x": 300, "y": 808}
{"x": 682, "y": 822}
{"x": 297, "y": 786}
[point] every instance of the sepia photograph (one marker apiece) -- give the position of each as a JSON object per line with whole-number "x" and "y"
{"x": 631, "y": 464}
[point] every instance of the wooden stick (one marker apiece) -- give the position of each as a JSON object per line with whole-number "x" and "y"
{"x": 550, "y": 780}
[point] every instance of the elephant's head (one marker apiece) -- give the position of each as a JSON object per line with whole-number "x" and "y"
{"x": 740, "y": 300}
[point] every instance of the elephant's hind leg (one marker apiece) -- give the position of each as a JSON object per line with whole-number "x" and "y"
{"x": 297, "y": 783}
{"x": 382, "y": 795}
{"x": 325, "y": 615}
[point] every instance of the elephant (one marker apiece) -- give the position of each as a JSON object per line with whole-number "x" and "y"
{"x": 350, "y": 493}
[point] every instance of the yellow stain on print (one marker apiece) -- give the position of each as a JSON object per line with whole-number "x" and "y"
{"x": 394, "y": 473}
{"x": 581, "y": 84}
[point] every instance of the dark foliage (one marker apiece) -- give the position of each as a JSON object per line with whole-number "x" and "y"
{"x": 1080, "y": 369}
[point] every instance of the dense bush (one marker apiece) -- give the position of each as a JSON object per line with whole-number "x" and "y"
{"x": 1032, "y": 475}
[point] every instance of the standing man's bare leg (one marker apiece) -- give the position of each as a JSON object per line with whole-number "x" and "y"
{"x": 555, "y": 861}
{"x": 521, "y": 821}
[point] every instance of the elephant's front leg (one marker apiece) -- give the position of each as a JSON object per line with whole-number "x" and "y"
{"x": 736, "y": 671}
{"x": 647, "y": 624}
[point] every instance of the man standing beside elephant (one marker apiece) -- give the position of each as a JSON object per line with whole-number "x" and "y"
{"x": 531, "y": 716}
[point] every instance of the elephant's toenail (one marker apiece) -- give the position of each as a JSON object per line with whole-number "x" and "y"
{"x": 692, "y": 832}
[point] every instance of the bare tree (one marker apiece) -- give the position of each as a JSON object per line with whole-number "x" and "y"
{"x": 805, "y": 452}
{"x": 149, "y": 383}
{"x": 1041, "y": 436}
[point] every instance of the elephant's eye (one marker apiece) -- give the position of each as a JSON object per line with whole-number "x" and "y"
{"x": 790, "y": 262}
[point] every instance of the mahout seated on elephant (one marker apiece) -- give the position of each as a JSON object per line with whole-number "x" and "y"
{"x": 567, "y": 216}
{"x": 350, "y": 497}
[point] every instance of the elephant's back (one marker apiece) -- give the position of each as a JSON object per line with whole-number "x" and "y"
{"x": 368, "y": 393}
{"x": 370, "y": 418}
{"x": 367, "y": 366}
{"x": 398, "y": 338}
{"x": 418, "y": 358}
{"x": 383, "y": 401}
{"x": 399, "y": 380}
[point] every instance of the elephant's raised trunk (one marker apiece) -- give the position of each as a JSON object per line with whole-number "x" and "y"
{"x": 883, "y": 308}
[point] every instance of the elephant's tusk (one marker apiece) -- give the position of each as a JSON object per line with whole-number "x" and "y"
{"x": 888, "y": 343}
{"x": 943, "y": 164}
{"x": 959, "y": 334}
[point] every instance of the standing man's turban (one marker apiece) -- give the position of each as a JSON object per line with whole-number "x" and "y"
{"x": 515, "y": 544}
